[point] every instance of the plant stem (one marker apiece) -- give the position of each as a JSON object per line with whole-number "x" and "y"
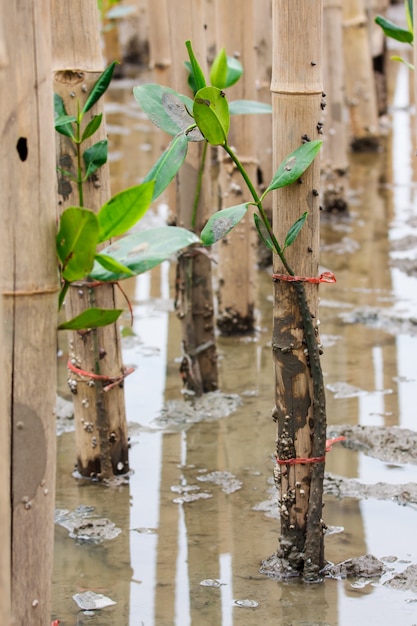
{"x": 258, "y": 203}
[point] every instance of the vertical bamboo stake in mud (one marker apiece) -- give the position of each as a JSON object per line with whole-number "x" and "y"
{"x": 30, "y": 291}
{"x": 100, "y": 421}
{"x": 335, "y": 149}
{"x": 300, "y": 412}
{"x": 235, "y": 32}
{"x": 359, "y": 77}
{"x": 194, "y": 280}
{"x": 159, "y": 44}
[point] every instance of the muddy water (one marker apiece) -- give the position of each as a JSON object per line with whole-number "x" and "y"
{"x": 199, "y": 514}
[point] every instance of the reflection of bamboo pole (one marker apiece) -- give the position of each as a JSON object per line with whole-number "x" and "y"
{"x": 101, "y": 430}
{"x": 296, "y": 99}
{"x": 360, "y": 83}
{"x": 235, "y": 33}
{"x": 194, "y": 288}
{"x": 30, "y": 288}
{"x": 335, "y": 158}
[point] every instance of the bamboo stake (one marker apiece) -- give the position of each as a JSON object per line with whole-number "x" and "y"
{"x": 235, "y": 32}
{"x": 360, "y": 82}
{"x": 300, "y": 412}
{"x": 335, "y": 149}
{"x": 194, "y": 283}
{"x": 159, "y": 44}
{"x": 100, "y": 421}
{"x": 30, "y": 289}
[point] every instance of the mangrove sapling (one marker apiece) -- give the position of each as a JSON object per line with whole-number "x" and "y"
{"x": 90, "y": 270}
{"x": 403, "y": 35}
{"x": 208, "y": 118}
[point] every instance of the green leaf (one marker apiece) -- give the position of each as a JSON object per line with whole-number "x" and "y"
{"x": 218, "y": 71}
{"x": 92, "y": 126}
{"x": 190, "y": 80}
{"x": 211, "y": 112}
{"x": 76, "y": 242}
{"x": 112, "y": 265}
{"x": 409, "y": 15}
{"x": 168, "y": 164}
{"x": 262, "y": 232}
{"x": 401, "y": 60}
{"x": 99, "y": 88}
{"x": 91, "y": 318}
{"x": 123, "y": 210}
{"x": 294, "y": 230}
{"x": 245, "y": 107}
{"x": 222, "y": 222}
{"x": 63, "y": 122}
{"x": 141, "y": 251}
{"x": 95, "y": 156}
{"x": 393, "y": 31}
{"x": 197, "y": 72}
{"x": 149, "y": 97}
{"x": 179, "y": 114}
{"x": 294, "y": 165}
{"x": 234, "y": 71}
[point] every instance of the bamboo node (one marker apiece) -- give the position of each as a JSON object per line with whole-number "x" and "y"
{"x": 31, "y": 292}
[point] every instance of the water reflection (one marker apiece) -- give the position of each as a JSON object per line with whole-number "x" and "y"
{"x": 154, "y": 569}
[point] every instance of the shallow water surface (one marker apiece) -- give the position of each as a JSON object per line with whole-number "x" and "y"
{"x": 198, "y": 507}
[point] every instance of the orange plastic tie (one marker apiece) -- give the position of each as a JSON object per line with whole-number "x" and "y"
{"x": 111, "y": 381}
{"x": 313, "y": 459}
{"x": 326, "y": 277}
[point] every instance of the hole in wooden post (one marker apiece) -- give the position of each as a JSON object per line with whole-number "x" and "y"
{"x": 22, "y": 148}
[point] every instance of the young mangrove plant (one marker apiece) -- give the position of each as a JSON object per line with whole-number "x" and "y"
{"x": 403, "y": 35}
{"x": 206, "y": 117}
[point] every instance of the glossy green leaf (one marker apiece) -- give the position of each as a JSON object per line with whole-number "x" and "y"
{"x": 168, "y": 164}
{"x": 91, "y": 318}
{"x": 222, "y": 222}
{"x": 150, "y": 96}
{"x": 100, "y": 87}
{"x": 218, "y": 71}
{"x": 211, "y": 112}
{"x": 294, "y": 231}
{"x": 198, "y": 75}
{"x": 76, "y": 242}
{"x": 92, "y": 126}
{"x": 262, "y": 232}
{"x": 112, "y": 265}
{"x": 63, "y": 122}
{"x": 95, "y": 156}
{"x": 294, "y": 165}
{"x": 143, "y": 250}
{"x": 393, "y": 31}
{"x": 123, "y": 210}
{"x": 245, "y": 107}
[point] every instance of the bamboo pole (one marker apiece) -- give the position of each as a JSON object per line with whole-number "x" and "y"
{"x": 159, "y": 43}
{"x": 5, "y": 512}
{"x": 335, "y": 149}
{"x": 194, "y": 280}
{"x": 30, "y": 289}
{"x": 100, "y": 421}
{"x": 359, "y": 77}
{"x": 236, "y": 292}
{"x": 296, "y": 98}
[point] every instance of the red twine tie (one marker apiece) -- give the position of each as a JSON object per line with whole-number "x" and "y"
{"x": 326, "y": 277}
{"x": 111, "y": 381}
{"x": 313, "y": 459}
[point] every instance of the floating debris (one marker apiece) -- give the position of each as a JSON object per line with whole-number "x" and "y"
{"x": 146, "y": 531}
{"x": 227, "y": 481}
{"x": 84, "y": 527}
{"x": 177, "y": 415}
{"x": 246, "y": 604}
{"x": 192, "y": 497}
{"x": 91, "y": 601}
{"x": 211, "y": 582}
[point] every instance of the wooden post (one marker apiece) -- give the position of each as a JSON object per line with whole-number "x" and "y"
{"x": 30, "y": 292}
{"x": 335, "y": 148}
{"x": 237, "y": 251}
{"x": 100, "y": 421}
{"x": 159, "y": 42}
{"x": 296, "y": 98}
{"x": 194, "y": 280}
{"x": 359, "y": 77}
